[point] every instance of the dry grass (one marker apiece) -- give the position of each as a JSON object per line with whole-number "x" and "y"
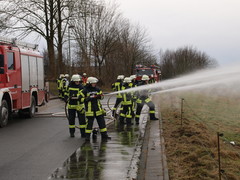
{"x": 191, "y": 149}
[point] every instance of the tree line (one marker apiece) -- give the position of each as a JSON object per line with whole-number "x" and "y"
{"x": 93, "y": 37}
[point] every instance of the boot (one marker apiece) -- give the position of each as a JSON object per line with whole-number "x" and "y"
{"x": 82, "y": 131}
{"x": 129, "y": 122}
{"x": 137, "y": 120}
{"x": 113, "y": 113}
{"x": 105, "y": 136}
{"x": 87, "y": 138}
{"x": 72, "y": 131}
{"x": 94, "y": 133}
{"x": 152, "y": 117}
{"x": 121, "y": 120}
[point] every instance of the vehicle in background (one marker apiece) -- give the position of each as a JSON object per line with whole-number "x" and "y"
{"x": 21, "y": 79}
{"x": 153, "y": 72}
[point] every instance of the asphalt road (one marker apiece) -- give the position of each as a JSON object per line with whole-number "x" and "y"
{"x": 31, "y": 149}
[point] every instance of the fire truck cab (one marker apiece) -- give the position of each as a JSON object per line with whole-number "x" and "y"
{"x": 153, "y": 72}
{"x": 21, "y": 79}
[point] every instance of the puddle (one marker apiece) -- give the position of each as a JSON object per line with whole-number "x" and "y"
{"x": 115, "y": 159}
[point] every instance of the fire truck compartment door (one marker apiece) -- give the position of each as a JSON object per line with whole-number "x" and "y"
{"x": 25, "y": 73}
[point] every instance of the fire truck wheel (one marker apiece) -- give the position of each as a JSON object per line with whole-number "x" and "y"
{"x": 32, "y": 109}
{"x": 4, "y": 114}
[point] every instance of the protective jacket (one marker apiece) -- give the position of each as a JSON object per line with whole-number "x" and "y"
{"x": 92, "y": 97}
{"x": 73, "y": 96}
{"x": 117, "y": 86}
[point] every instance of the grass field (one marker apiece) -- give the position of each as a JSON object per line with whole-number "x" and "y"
{"x": 191, "y": 148}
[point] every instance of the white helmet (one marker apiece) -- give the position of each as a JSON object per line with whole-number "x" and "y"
{"x": 133, "y": 77}
{"x": 84, "y": 74}
{"x": 127, "y": 80}
{"x": 66, "y": 75}
{"x": 145, "y": 77}
{"x": 92, "y": 80}
{"x": 120, "y": 77}
{"x": 61, "y": 75}
{"x": 75, "y": 77}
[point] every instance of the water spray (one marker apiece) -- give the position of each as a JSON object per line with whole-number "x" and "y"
{"x": 228, "y": 76}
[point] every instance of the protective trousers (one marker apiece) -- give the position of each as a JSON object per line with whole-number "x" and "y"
{"x": 118, "y": 101}
{"x": 81, "y": 119}
{"x": 101, "y": 124}
{"x": 126, "y": 112}
{"x": 151, "y": 109}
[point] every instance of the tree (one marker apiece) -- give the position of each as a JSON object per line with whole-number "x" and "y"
{"x": 46, "y": 18}
{"x": 184, "y": 60}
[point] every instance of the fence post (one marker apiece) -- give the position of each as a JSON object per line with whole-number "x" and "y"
{"x": 219, "y": 158}
{"x": 182, "y": 111}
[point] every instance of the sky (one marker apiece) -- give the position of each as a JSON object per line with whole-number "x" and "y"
{"x": 211, "y": 26}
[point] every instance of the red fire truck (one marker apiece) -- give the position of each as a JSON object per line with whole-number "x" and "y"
{"x": 21, "y": 79}
{"x": 153, "y": 72}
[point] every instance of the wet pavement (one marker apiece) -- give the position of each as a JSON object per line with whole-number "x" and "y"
{"x": 42, "y": 149}
{"x": 103, "y": 160}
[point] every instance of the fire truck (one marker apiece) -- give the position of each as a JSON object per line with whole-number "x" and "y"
{"x": 21, "y": 79}
{"x": 153, "y": 72}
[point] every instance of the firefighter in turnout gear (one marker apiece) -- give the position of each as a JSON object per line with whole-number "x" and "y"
{"x": 84, "y": 78}
{"x": 59, "y": 85}
{"x": 64, "y": 84}
{"x": 117, "y": 86}
{"x": 92, "y": 96}
{"x": 126, "y": 106}
{"x": 134, "y": 98}
{"x": 75, "y": 105}
{"x": 143, "y": 98}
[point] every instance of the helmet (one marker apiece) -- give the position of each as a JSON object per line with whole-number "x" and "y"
{"x": 133, "y": 77}
{"x": 84, "y": 74}
{"x": 66, "y": 75}
{"x": 127, "y": 80}
{"x": 75, "y": 77}
{"x": 145, "y": 77}
{"x": 61, "y": 75}
{"x": 120, "y": 77}
{"x": 92, "y": 80}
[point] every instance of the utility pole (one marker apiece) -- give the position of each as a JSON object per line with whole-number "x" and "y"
{"x": 69, "y": 49}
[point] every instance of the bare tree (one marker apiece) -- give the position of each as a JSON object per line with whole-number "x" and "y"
{"x": 47, "y": 18}
{"x": 184, "y": 60}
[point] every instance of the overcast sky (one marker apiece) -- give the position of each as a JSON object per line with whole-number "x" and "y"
{"x": 212, "y": 26}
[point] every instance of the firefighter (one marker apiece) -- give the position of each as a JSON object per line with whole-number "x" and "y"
{"x": 92, "y": 96}
{"x": 117, "y": 86}
{"x": 75, "y": 105}
{"x": 84, "y": 78}
{"x": 59, "y": 87}
{"x": 143, "y": 98}
{"x": 126, "y": 106}
{"x": 64, "y": 84}
{"x": 134, "y": 97}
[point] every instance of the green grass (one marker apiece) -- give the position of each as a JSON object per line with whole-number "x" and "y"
{"x": 192, "y": 148}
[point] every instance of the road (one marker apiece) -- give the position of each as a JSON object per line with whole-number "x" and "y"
{"x": 33, "y": 148}
{"x": 40, "y": 148}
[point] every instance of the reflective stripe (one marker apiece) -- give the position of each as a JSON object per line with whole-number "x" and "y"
{"x": 82, "y": 126}
{"x": 103, "y": 130}
{"x": 152, "y": 112}
{"x": 71, "y": 126}
{"x": 139, "y": 101}
{"x": 147, "y": 100}
{"x": 88, "y": 131}
{"x": 137, "y": 116}
{"x": 123, "y": 115}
